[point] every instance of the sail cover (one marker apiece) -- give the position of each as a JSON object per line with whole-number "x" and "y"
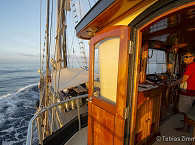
{"x": 67, "y": 78}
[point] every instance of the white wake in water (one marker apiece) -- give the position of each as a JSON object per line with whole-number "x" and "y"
{"x": 18, "y": 91}
{"x": 5, "y": 96}
{"x": 26, "y": 87}
{"x": 16, "y": 111}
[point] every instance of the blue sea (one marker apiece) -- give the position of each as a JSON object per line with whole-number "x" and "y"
{"x": 18, "y": 96}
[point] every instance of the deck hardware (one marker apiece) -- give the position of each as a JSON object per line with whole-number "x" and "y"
{"x": 126, "y": 112}
{"x": 130, "y": 46}
{"x": 89, "y": 99}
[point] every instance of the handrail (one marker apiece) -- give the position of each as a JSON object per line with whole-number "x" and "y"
{"x": 37, "y": 114}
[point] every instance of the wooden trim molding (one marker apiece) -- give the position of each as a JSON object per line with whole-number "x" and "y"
{"x": 159, "y": 10}
{"x": 96, "y": 10}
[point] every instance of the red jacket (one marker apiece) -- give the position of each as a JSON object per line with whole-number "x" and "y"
{"x": 190, "y": 71}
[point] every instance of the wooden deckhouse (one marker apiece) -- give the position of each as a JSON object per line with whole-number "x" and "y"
{"x": 127, "y": 101}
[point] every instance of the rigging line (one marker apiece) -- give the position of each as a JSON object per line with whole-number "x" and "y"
{"x": 84, "y": 54}
{"x": 68, "y": 57}
{"x": 89, "y": 4}
{"x": 64, "y": 46}
{"x": 51, "y": 25}
{"x": 74, "y": 32}
{"x": 82, "y": 51}
{"x": 65, "y": 37}
{"x": 43, "y": 54}
{"x": 55, "y": 47}
{"x": 59, "y": 38}
{"x": 40, "y": 35}
{"x": 74, "y": 48}
{"x": 74, "y": 13}
{"x": 95, "y": 1}
{"x": 72, "y": 44}
{"x": 80, "y": 9}
{"x": 77, "y": 57}
{"x": 68, "y": 51}
{"x": 41, "y": 95}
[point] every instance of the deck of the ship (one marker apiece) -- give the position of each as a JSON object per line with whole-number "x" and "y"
{"x": 80, "y": 138}
{"x": 167, "y": 131}
{"x": 169, "y": 136}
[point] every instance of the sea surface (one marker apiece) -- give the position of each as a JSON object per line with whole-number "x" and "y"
{"x": 18, "y": 96}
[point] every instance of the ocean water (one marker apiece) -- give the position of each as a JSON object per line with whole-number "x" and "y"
{"x": 18, "y": 96}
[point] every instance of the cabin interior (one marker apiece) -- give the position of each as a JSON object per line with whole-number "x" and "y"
{"x": 164, "y": 44}
{"x": 132, "y": 101}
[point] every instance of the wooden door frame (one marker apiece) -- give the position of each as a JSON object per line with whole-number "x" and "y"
{"x": 117, "y": 109}
{"x": 157, "y": 11}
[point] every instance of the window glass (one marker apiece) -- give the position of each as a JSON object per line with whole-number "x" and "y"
{"x": 106, "y": 68}
{"x": 156, "y": 61}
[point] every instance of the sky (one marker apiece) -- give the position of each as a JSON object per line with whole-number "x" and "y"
{"x": 19, "y": 30}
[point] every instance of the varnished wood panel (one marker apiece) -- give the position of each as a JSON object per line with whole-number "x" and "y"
{"x": 103, "y": 126}
{"x": 148, "y": 115}
{"x": 122, "y": 72}
{"x": 119, "y": 131}
{"x": 111, "y": 108}
{"x": 101, "y": 111}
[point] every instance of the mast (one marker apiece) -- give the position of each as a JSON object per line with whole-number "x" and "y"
{"x": 58, "y": 36}
{"x": 64, "y": 41}
{"x": 62, "y": 7}
{"x": 63, "y": 23}
{"x": 47, "y": 52}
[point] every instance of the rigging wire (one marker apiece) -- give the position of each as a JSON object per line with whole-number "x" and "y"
{"x": 81, "y": 43}
{"x": 74, "y": 34}
{"x": 89, "y": 4}
{"x": 55, "y": 51}
{"x": 40, "y": 34}
{"x": 77, "y": 57}
{"x": 74, "y": 56}
{"x": 80, "y": 9}
{"x": 67, "y": 50}
{"x": 51, "y": 26}
{"x": 41, "y": 95}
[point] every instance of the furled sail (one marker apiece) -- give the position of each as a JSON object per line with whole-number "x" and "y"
{"x": 67, "y": 78}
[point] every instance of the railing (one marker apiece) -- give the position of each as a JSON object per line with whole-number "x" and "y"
{"x": 42, "y": 112}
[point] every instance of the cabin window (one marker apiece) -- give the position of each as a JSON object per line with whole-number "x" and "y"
{"x": 106, "y": 68}
{"x": 156, "y": 61}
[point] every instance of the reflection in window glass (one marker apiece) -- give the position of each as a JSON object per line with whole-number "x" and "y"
{"x": 106, "y": 68}
{"x": 156, "y": 61}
